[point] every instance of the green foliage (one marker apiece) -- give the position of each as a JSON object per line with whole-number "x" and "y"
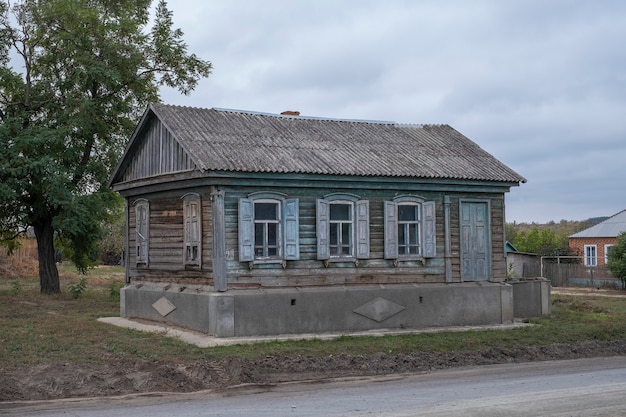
{"x": 113, "y": 239}
{"x": 16, "y": 287}
{"x": 548, "y": 239}
{"x": 114, "y": 289}
{"x": 76, "y": 290}
{"x": 543, "y": 242}
{"x": 510, "y": 273}
{"x": 617, "y": 258}
{"x": 87, "y": 69}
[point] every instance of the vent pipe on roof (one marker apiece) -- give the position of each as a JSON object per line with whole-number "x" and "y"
{"x": 290, "y": 113}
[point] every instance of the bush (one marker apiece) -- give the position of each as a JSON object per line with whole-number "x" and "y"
{"x": 76, "y": 290}
{"x": 617, "y": 258}
{"x": 114, "y": 289}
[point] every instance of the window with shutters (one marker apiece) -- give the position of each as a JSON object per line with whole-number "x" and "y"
{"x": 409, "y": 228}
{"x": 192, "y": 229}
{"x": 342, "y": 228}
{"x": 142, "y": 231}
{"x": 268, "y": 228}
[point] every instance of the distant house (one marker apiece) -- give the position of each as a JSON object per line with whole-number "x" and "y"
{"x": 594, "y": 243}
{"x": 244, "y": 223}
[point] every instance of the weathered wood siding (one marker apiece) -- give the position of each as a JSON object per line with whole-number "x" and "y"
{"x": 376, "y": 270}
{"x": 166, "y": 242}
{"x": 156, "y": 154}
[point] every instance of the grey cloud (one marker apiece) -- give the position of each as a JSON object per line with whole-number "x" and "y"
{"x": 539, "y": 84}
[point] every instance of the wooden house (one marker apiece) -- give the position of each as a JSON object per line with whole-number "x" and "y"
{"x": 242, "y": 223}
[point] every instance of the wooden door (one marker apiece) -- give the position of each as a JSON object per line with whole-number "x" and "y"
{"x": 475, "y": 241}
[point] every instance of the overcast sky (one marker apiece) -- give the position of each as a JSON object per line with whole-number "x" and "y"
{"x": 539, "y": 84}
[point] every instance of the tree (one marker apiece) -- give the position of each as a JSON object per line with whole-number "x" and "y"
{"x": 86, "y": 71}
{"x": 617, "y": 258}
{"x": 545, "y": 242}
{"x": 111, "y": 246}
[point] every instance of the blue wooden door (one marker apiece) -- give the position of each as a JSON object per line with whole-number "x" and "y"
{"x": 475, "y": 238}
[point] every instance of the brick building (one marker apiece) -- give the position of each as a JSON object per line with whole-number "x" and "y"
{"x": 594, "y": 243}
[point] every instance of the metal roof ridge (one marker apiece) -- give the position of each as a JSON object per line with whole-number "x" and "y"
{"x": 287, "y": 116}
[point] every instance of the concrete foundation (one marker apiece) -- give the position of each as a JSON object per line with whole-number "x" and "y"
{"x": 531, "y": 297}
{"x": 263, "y": 312}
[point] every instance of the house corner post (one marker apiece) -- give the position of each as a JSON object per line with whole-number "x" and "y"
{"x": 219, "y": 241}
{"x": 126, "y": 255}
{"x": 448, "y": 251}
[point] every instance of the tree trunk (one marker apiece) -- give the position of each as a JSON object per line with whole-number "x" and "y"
{"x": 48, "y": 272}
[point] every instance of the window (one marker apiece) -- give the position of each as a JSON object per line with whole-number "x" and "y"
{"x": 607, "y": 248}
{"x": 590, "y": 255}
{"x": 268, "y": 228}
{"x": 342, "y": 228}
{"x": 340, "y": 221}
{"x": 193, "y": 229}
{"x": 409, "y": 228}
{"x": 142, "y": 223}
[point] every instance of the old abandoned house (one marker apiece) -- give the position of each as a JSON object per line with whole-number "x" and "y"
{"x": 242, "y": 223}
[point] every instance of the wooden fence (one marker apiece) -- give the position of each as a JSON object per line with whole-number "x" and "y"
{"x": 22, "y": 262}
{"x": 568, "y": 271}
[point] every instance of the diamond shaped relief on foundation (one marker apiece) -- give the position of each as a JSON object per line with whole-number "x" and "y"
{"x": 163, "y": 306}
{"x": 379, "y": 309}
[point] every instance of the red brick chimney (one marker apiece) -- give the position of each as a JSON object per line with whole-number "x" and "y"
{"x": 290, "y": 113}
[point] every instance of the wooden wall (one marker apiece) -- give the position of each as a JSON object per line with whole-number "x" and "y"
{"x": 166, "y": 243}
{"x": 165, "y": 250}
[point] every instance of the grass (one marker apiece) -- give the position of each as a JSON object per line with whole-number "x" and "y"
{"x": 39, "y": 329}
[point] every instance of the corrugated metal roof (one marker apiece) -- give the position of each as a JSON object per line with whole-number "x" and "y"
{"x": 610, "y": 227}
{"x": 229, "y": 140}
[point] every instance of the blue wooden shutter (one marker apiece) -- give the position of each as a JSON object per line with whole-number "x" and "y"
{"x": 429, "y": 226}
{"x": 363, "y": 229}
{"x": 246, "y": 229}
{"x": 322, "y": 226}
{"x": 291, "y": 230}
{"x": 391, "y": 230}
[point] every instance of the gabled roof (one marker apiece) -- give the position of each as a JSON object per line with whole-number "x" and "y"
{"x": 610, "y": 227}
{"x": 240, "y": 141}
{"x": 508, "y": 247}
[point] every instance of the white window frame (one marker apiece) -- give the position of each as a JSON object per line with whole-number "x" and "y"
{"x": 288, "y": 242}
{"x": 142, "y": 231}
{"x": 607, "y": 247}
{"x": 590, "y": 255}
{"x": 359, "y": 245}
{"x": 266, "y": 224}
{"x": 336, "y": 243}
{"x": 192, "y": 227}
{"x": 426, "y": 225}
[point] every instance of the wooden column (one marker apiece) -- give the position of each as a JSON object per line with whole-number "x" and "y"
{"x": 448, "y": 251}
{"x": 219, "y": 241}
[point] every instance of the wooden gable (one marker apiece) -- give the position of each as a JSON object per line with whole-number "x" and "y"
{"x": 152, "y": 151}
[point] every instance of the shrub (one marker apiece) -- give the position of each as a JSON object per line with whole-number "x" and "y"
{"x": 617, "y": 258}
{"x": 76, "y": 290}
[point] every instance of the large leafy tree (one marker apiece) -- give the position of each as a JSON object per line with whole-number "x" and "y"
{"x": 75, "y": 76}
{"x": 617, "y": 258}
